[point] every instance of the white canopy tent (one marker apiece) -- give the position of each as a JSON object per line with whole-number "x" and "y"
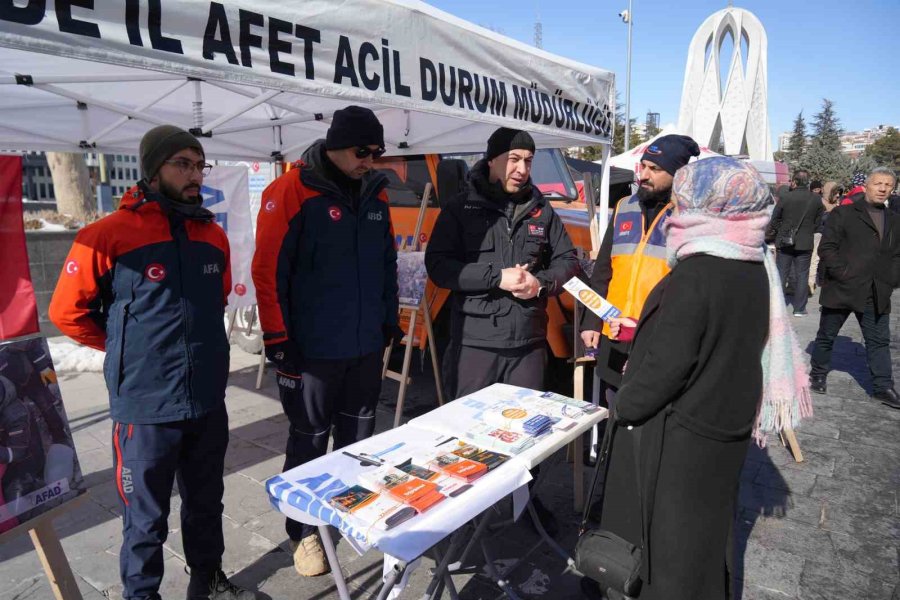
{"x": 631, "y": 159}
{"x": 261, "y": 79}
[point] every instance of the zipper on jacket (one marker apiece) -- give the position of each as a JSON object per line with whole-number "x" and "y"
{"x": 173, "y": 229}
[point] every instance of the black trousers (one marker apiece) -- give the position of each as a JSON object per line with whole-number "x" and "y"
{"x": 468, "y": 369}
{"x": 148, "y": 458}
{"x": 800, "y": 261}
{"x": 328, "y": 397}
{"x": 877, "y": 337}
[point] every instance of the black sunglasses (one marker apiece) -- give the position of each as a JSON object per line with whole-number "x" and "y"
{"x": 365, "y": 151}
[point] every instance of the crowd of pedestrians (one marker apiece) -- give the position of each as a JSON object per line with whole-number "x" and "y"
{"x": 702, "y": 361}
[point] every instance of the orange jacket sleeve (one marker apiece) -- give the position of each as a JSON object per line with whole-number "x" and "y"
{"x": 281, "y": 202}
{"x": 226, "y": 276}
{"x": 77, "y": 300}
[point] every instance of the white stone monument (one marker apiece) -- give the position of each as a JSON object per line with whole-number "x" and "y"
{"x": 724, "y": 102}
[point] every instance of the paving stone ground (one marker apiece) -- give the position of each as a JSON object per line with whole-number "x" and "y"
{"x": 827, "y": 528}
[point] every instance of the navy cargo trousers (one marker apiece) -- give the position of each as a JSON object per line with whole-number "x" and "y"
{"x": 148, "y": 459}
{"x": 328, "y": 396}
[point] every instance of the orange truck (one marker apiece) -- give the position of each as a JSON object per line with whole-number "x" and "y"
{"x": 408, "y": 177}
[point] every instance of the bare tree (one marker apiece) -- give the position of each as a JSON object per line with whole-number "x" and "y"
{"x": 72, "y": 184}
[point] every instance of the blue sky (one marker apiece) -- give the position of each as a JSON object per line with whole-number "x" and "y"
{"x": 845, "y": 51}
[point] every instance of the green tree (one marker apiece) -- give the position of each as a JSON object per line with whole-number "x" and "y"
{"x": 827, "y": 128}
{"x": 886, "y": 149}
{"x": 594, "y": 152}
{"x": 797, "y": 143}
{"x": 823, "y": 157}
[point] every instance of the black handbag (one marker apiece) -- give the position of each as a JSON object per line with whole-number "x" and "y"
{"x": 601, "y": 555}
{"x": 786, "y": 239}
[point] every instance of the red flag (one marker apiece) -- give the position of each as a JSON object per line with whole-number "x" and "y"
{"x": 18, "y": 311}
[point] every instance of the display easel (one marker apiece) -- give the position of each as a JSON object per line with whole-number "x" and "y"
{"x": 789, "y": 439}
{"x": 410, "y": 340}
{"x": 49, "y": 550}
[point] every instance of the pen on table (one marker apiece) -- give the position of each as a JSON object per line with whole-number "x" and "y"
{"x": 364, "y": 460}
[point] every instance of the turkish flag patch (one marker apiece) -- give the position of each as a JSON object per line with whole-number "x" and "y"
{"x": 626, "y": 226}
{"x": 536, "y": 230}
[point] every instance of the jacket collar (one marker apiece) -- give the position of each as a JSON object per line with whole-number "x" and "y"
{"x": 140, "y": 195}
{"x": 860, "y": 204}
{"x": 313, "y": 174}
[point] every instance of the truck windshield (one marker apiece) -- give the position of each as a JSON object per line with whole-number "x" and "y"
{"x": 548, "y": 171}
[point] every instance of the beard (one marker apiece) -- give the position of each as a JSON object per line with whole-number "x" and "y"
{"x": 191, "y": 196}
{"x": 653, "y": 197}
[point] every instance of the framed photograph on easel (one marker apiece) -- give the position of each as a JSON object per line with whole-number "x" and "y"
{"x": 412, "y": 279}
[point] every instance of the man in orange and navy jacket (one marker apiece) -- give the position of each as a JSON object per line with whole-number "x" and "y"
{"x": 148, "y": 284}
{"x": 632, "y": 256}
{"x": 325, "y": 271}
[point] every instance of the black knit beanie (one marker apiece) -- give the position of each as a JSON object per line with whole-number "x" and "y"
{"x": 506, "y": 139}
{"x": 160, "y": 143}
{"x": 671, "y": 152}
{"x": 354, "y": 126}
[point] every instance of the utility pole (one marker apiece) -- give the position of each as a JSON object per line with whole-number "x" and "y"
{"x": 627, "y": 18}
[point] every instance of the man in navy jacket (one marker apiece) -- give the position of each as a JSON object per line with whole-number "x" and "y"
{"x": 325, "y": 271}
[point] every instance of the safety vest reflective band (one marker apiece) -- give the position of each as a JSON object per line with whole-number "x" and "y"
{"x": 638, "y": 258}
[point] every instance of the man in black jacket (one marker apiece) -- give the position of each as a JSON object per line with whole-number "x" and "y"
{"x": 860, "y": 250}
{"x": 796, "y": 218}
{"x": 502, "y": 251}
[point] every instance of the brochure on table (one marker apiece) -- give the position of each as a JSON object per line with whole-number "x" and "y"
{"x": 470, "y": 412}
{"x": 305, "y": 492}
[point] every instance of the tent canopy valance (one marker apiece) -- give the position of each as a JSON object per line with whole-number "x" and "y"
{"x": 261, "y": 79}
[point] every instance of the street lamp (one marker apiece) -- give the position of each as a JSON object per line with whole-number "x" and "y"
{"x": 627, "y": 18}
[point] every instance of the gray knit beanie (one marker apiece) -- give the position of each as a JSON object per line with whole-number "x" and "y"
{"x": 160, "y": 143}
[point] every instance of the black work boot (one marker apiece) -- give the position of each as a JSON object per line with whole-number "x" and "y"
{"x": 215, "y": 586}
{"x": 817, "y": 384}
{"x": 888, "y": 397}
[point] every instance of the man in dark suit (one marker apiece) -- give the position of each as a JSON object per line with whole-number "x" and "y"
{"x": 860, "y": 250}
{"x": 796, "y": 218}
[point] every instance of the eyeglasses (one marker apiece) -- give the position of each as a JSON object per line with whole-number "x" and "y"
{"x": 365, "y": 151}
{"x": 187, "y": 167}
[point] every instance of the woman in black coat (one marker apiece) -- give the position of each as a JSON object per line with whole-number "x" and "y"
{"x": 694, "y": 383}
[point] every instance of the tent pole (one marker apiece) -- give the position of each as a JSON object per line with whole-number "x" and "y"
{"x": 197, "y": 105}
{"x": 266, "y": 124}
{"x": 242, "y": 110}
{"x": 64, "y": 79}
{"x": 603, "y": 212}
{"x": 121, "y": 121}
{"x": 134, "y": 114}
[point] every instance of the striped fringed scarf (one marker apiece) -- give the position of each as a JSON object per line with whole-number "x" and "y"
{"x": 724, "y": 210}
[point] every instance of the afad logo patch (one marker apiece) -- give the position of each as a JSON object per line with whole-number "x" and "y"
{"x": 240, "y": 289}
{"x": 72, "y": 268}
{"x": 535, "y": 212}
{"x": 335, "y": 213}
{"x": 155, "y": 272}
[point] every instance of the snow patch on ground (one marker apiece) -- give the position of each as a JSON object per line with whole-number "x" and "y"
{"x": 73, "y": 357}
{"x": 45, "y": 226}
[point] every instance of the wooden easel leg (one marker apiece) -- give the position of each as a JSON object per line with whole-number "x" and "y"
{"x": 429, "y": 329}
{"x": 231, "y": 323}
{"x": 791, "y": 442}
{"x": 262, "y": 368}
{"x": 577, "y": 444}
{"x": 404, "y": 374}
{"x": 56, "y": 565}
{"x": 386, "y": 359}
